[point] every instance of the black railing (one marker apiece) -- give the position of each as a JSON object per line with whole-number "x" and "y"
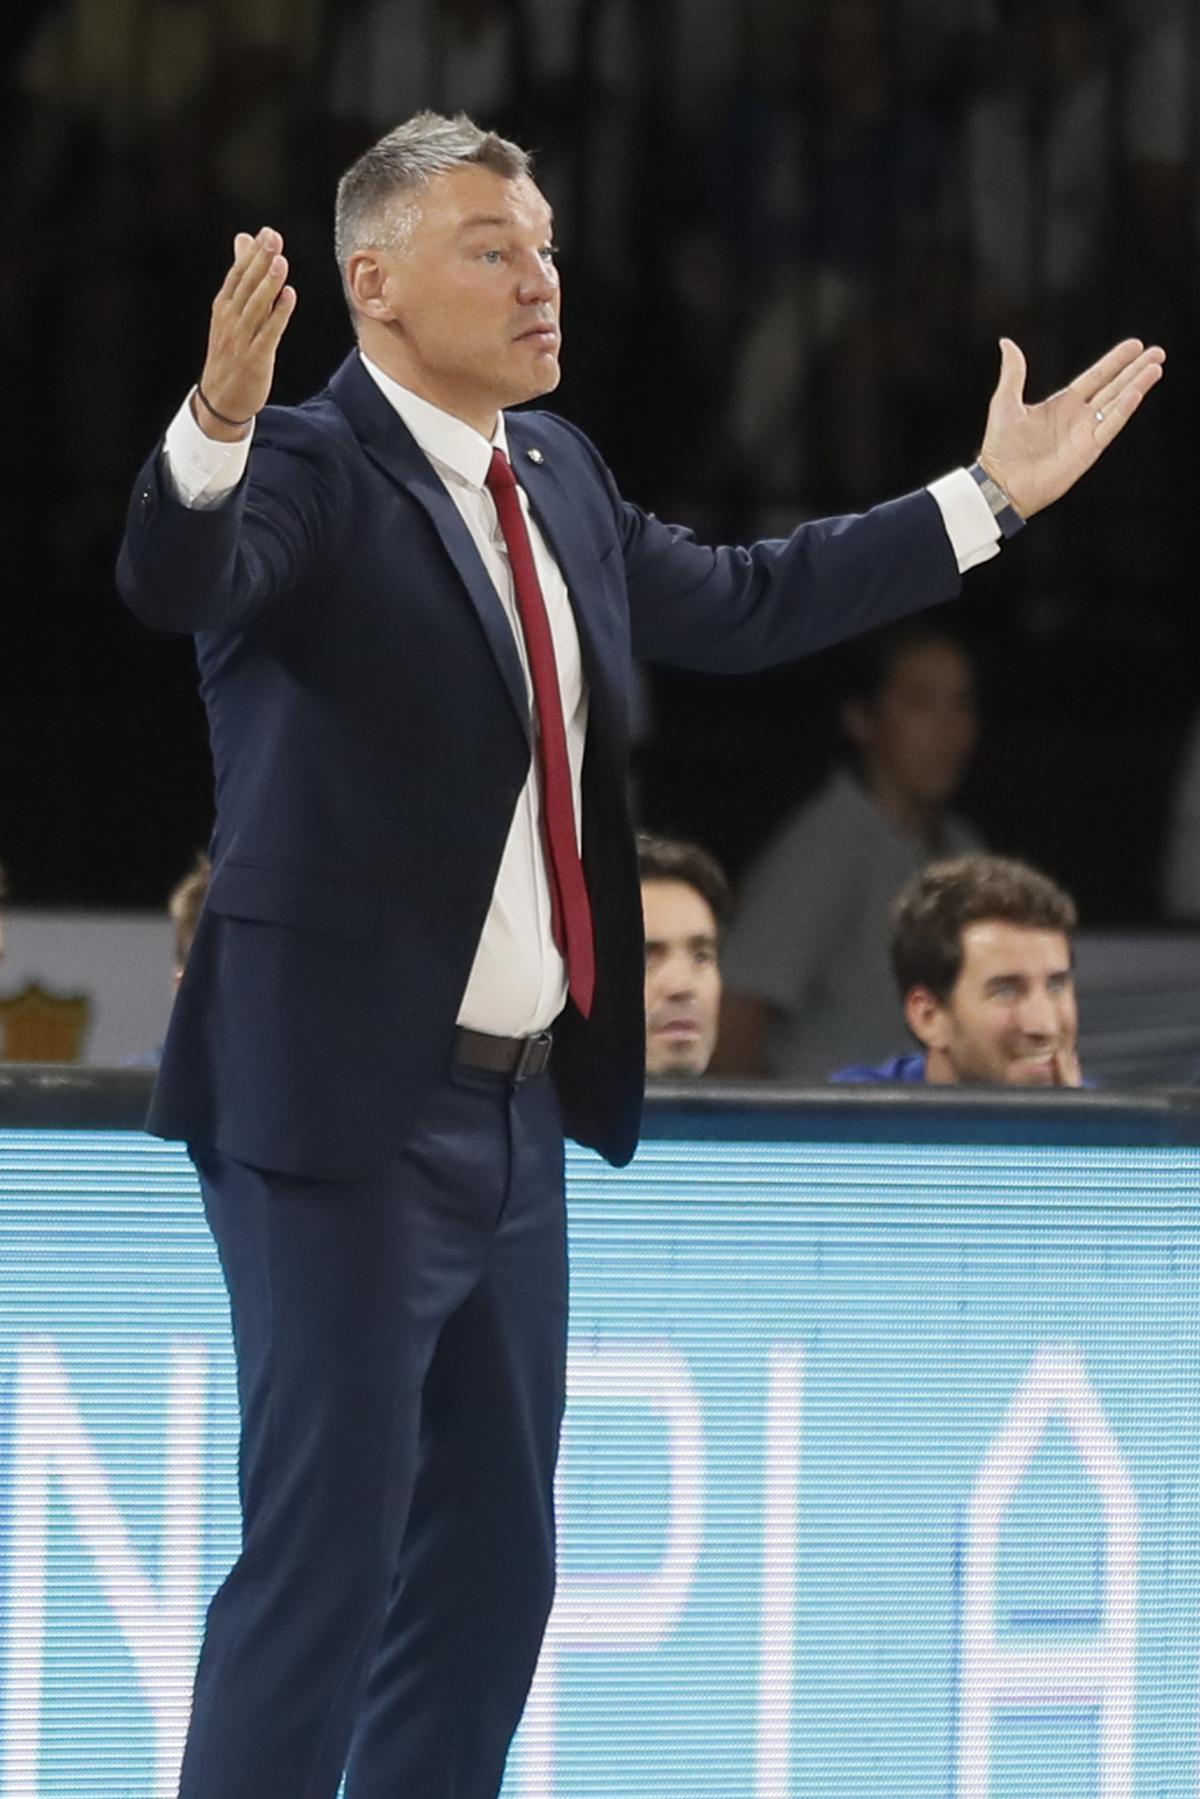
{"x": 49, "y": 1097}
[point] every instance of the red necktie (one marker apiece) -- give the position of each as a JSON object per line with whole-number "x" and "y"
{"x": 570, "y": 910}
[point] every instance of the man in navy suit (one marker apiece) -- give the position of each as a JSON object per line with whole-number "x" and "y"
{"x": 415, "y": 617}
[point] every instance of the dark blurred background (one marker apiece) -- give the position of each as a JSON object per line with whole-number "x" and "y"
{"x": 791, "y": 230}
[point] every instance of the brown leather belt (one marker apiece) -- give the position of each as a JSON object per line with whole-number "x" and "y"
{"x": 518, "y": 1057}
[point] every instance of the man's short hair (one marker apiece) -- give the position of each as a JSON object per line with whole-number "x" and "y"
{"x": 870, "y": 661}
{"x": 669, "y": 859}
{"x": 930, "y": 916}
{"x": 185, "y": 904}
{"x": 375, "y": 196}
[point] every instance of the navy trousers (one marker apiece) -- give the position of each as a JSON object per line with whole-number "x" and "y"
{"x": 401, "y": 1351}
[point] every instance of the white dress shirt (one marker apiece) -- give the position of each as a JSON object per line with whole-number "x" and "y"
{"x": 518, "y": 983}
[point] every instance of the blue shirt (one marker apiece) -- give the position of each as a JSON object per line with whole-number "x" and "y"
{"x": 897, "y": 1068}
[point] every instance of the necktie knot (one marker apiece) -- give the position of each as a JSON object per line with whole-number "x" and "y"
{"x": 500, "y": 477}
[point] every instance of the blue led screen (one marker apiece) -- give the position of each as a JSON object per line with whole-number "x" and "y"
{"x": 879, "y": 1477}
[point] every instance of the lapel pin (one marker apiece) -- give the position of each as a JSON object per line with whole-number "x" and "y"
{"x": 535, "y": 456}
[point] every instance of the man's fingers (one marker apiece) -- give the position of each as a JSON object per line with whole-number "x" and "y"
{"x": 1119, "y": 412}
{"x": 1093, "y": 381}
{"x": 248, "y": 254}
{"x": 263, "y": 296}
{"x": 237, "y": 323}
{"x": 256, "y": 270}
{"x": 243, "y": 250}
{"x": 1135, "y": 374}
{"x": 276, "y": 325}
{"x": 261, "y": 253}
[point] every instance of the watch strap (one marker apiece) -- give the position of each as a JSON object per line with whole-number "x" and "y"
{"x": 999, "y": 503}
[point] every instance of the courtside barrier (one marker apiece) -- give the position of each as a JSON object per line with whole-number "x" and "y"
{"x": 879, "y": 1479}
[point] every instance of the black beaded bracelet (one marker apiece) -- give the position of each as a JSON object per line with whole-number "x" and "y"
{"x": 234, "y": 424}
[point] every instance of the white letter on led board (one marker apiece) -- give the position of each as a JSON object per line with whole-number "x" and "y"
{"x": 619, "y": 1612}
{"x": 158, "y": 1623}
{"x": 781, "y": 1505}
{"x": 1099, "y": 1670}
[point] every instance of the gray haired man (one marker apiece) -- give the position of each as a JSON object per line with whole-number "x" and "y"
{"x": 415, "y": 616}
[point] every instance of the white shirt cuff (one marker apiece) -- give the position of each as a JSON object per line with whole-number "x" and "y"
{"x": 202, "y": 471}
{"x": 973, "y": 532}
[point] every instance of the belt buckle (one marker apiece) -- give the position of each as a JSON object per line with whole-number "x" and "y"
{"x": 535, "y": 1052}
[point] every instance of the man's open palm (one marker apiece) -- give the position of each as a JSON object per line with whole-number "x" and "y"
{"x": 1037, "y": 452}
{"x": 249, "y": 316}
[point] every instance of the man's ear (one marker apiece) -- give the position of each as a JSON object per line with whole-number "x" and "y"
{"x": 856, "y": 723}
{"x": 366, "y": 280}
{"x": 927, "y": 1018}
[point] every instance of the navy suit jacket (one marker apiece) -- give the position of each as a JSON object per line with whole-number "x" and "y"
{"x": 370, "y": 736}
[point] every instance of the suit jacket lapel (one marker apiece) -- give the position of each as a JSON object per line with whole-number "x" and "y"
{"x": 388, "y": 442}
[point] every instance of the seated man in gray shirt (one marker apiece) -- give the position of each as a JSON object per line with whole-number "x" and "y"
{"x": 806, "y": 966}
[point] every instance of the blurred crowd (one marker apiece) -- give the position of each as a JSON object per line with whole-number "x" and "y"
{"x": 794, "y": 229}
{"x": 802, "y": 221}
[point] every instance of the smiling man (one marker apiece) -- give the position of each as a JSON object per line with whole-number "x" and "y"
{"x": 685, "y": 906}
{"x": 420, "y": 956}
{"x": 981, "y": 950}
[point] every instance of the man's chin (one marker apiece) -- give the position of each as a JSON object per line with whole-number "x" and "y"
{"x": 551, "y": 376}
{"x": 683, "y": 1065}
{"x": 534, "y": 382}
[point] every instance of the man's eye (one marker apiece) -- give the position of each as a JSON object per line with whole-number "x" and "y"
{"x": 491, "y": 256}
{"x": 550, "y": 251}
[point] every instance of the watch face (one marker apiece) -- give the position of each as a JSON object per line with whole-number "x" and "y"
{"x": 999, "y": 504}
{"x": 988, "y": 488}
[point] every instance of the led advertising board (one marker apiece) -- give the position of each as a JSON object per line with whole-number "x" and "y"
{"x": 879, "y": 1478}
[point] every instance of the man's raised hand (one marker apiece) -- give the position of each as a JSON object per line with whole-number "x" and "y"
{"x": 1037, "y": 452}
{"x": 249, "y": 316}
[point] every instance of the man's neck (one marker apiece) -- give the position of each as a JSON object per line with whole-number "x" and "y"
{"x": 480, "y": 415}
{"x": 911, "y": 817}
{"x": 939, "y": 1069}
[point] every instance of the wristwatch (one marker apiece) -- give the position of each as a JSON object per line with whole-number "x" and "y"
{"x": 1001, "y": 507}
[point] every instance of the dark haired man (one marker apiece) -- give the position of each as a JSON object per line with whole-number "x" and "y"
{"x": 415, "y": 616}
{"x": 981, "y": 951}
{"x": 685, "y": 906}
{"x": 806, "y": 964}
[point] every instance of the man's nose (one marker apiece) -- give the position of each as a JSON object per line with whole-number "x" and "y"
{"x": 679, "y": 978}
{"x": 1039, "y": 1014}
{"x": 538, "y": 279}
